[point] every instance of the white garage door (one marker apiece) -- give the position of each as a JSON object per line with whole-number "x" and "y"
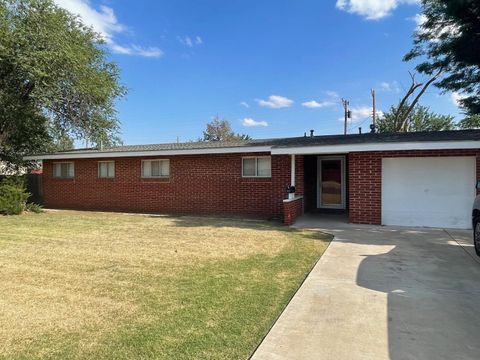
{"x": 431, "y": 191}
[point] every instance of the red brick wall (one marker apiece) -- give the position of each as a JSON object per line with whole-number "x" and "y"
{"x": 365, "y": 180}
{"x": 203, "y": 184}
{"x": 292, "y": 210}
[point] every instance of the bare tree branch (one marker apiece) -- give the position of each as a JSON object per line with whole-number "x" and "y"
{"x": 410, "y": 92}
{"x": 403, "y": 124}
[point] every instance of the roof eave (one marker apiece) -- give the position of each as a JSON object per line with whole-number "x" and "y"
{"x": 392, "y": 146}
{"x": 148, "y": 153}
{"x": 274, "y": 150}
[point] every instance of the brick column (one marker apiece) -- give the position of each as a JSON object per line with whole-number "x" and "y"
{"x": 365, "y": 187}
{"x": 292, "y": 209}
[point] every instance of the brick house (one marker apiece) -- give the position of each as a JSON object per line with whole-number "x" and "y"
{"x": 414, "y": 179}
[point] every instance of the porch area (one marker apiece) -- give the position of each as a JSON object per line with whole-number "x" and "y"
{"x": 318, "y": 187}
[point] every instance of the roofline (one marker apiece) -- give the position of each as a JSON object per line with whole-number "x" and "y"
{"x": 392, "y": 146}
{"x": 117, "y": 154}
{"x": 285, "y": 150}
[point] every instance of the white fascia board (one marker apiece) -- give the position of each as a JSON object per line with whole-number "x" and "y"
{"x": 118, "y": 154}
{"x": 395, "y": 146}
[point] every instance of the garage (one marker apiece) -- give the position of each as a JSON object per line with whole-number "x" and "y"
{"x": 428, "y": 191}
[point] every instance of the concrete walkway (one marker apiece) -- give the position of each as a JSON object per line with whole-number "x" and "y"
{"x": 383, "y": 293}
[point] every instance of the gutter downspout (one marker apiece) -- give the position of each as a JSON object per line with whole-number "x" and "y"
{"x": 292, "y": 175}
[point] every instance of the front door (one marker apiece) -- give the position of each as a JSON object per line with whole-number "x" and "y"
{"x": 331, "y": 182}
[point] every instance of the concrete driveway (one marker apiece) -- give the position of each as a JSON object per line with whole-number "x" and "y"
{"x": 383, "y": 293}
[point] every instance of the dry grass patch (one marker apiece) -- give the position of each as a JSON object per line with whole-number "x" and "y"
{"x": 116, "y": 286}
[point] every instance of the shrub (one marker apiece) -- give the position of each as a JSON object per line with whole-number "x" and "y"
{"x": 35, "y": 208}
{"x": 13, "y": 196}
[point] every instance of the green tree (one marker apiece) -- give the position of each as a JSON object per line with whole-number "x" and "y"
{"x": 55, "y": 80}
{"x": 221, "y": 130}
{"x": 448, "y": 41}
{"x": 419, "y": 119}
{"x": 470, "y": 122}
{"x": 60, "y": 140}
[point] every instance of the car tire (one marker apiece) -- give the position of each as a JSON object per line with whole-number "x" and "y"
{"x": 476, "y": 235}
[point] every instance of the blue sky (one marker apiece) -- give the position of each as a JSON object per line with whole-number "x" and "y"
{"x": 271, "y": 68}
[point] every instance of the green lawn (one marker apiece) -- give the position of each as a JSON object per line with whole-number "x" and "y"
{"x": 82, "y": 285}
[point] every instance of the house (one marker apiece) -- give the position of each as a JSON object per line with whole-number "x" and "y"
{"x": 413, "y": 179}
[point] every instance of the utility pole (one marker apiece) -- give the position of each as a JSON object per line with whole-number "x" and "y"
{"x": 347, "y": 115}
{"x": 374, "y": 114}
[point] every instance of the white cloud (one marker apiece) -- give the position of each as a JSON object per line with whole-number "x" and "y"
{"x": 372, "y": 9}
{"x": 455, "y": 97}
{"x": 245, "y": 104}
{"x": 419, "y": 19}
{"x": 190, "y": 41}
{"x": 275, "y": 102}
{"x": 390, "y": 87}
{"x": 361, "y": 113}
{"x": 332, "y": 94}
{"x": 136, "y": 50}
{"x": 332, "y": 100}
{"x": 435, "y": 33}
{"x": 104, "y": 22}
{"x": 151, "y": 51}
{"x": 249, "y": 122}
{"x": 315, "y": 104}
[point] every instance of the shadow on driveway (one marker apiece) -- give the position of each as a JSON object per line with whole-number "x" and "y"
{"x": 433, "y": 293}
{"x": 383, "y": 293}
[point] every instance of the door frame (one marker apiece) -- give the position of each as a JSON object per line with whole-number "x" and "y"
{"x": 342, "y": 206}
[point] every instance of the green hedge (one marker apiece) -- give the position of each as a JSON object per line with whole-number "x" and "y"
{"x": 13, "y": 196}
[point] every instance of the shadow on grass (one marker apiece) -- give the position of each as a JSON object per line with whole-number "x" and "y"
{"x": 188, "y": 221}
{"x": 222, "y": 221}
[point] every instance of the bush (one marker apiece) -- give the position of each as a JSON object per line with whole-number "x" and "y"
{"x": 35, "y": 208}
{"x": 13, "y": 196}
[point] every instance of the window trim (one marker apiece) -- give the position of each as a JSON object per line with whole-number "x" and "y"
{"x": 155, "y": 177}
{"x": 62, "y": 177}
{"x": 106, "y": 162}
{"x": 256, "y": 167}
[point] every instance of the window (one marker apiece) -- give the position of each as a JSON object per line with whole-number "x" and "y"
{"x": 106, "y": 169}
{"x": 64, "y": 170}
{"x": 155, "y": 168}
{"x": 257, "y": 166}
